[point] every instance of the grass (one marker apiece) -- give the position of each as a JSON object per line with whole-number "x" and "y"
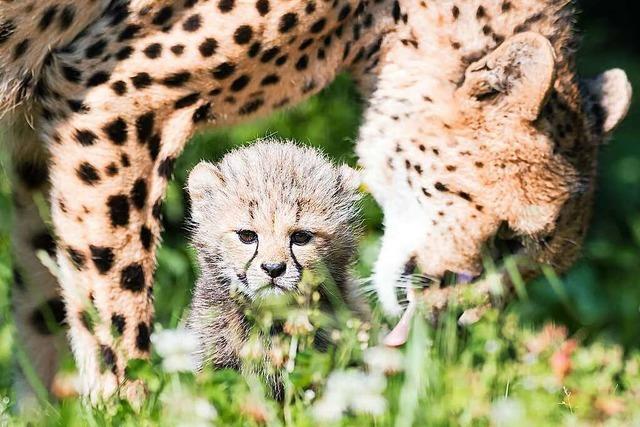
{"x": 565, "y": 352}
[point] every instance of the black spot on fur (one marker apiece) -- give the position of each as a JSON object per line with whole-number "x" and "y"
{"x": 132, "y": 278}
{"x": 116, "y": 131}
{"x": 85, "y": 137}
{"x": 251, "y": 106}
{"x": 226, "y": 5}
{"x": 139, "y": 193}
{"x": 111, "y": 169}
{"x": 96, "y": 49}
{"x": 240, "y": 83}
{"x": 118, "y": 323}
{"x": 21, "y": 48}
{"x": 71, "y": 74}
{"x": 302, "y": 63}
{"x": 102, "y": 258}
{"x": 142, "y": 338}
{"x": 202, "y": 113}
{"x": 243, "y": 34}
{"x": 98, "y": 78}
{"x": 263, "y": 7}
{"x": 66, "y": 17}
{"x": 118, "y": 210}
{"x": 124, "y": 53}
{"x": 177, "y": 49}
{"x": 141, "y": 80}
{"x": 269, "y": 54}
{"x": 208, "y": 47}
{"x": 165, "y": 168}
{"x": 77, "y": 258}
{"x": 287, "y": 22}
{"x": 153, "y": 51}
{"x": 344, "y": 12}
{"x": 319, "y": 25}
{"x": 119, "y": 87}
{"x": 465, "y": 196}
{"x": 441, "y": 187}
{"x": 129, "y": 32}
{"x": 47, "y": 17}
{"x": 154, "y": 146}
{"x": 270, "y": 79}
{"x": 77, "y": 106}
{"x": 224, "y": 70}
{"x": 187, "y": 101}
{"x": 162, "y": 16}
{"x": 192, "y": 23}
{"x": 88, "y": 173}
{"x": 144, "y": 126}
{"x": 109, "y": 358}
{"x": 156, "y": 211}
{"x": 177, "y": 79}
{"x": 254, "y": 50}
{"x": 146, "y": 237}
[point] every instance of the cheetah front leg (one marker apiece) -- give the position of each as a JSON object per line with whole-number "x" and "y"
{"x": 37, "y": 305}
{"x": 108, "y": 183}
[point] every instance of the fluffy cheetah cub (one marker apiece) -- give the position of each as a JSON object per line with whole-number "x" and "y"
{"x": 262, "y": 216}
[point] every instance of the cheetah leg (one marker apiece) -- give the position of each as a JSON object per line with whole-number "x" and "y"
{"x": 106, "y": 203}
{"x": 37, "y": 305}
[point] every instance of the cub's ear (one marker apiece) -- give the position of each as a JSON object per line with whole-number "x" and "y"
{"x": 608, "y": 97}
{"x": 203, "y": 179}
{"x": 515, "y": 78}
{"x": 350, "y": 178}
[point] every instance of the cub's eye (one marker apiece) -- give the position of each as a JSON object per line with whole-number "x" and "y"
{"x": 301, "y": 238}
{"x": 247, "y": 236}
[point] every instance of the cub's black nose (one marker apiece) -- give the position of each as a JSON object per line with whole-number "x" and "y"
{"x": 274, "y": 269}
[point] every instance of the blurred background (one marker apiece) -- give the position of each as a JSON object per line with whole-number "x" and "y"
{"x": 599, "y": 298}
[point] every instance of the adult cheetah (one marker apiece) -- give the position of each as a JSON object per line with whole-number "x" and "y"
{"x": 475, "y": 119}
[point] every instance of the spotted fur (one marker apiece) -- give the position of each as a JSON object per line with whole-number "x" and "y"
{"x": 475, "y": 118}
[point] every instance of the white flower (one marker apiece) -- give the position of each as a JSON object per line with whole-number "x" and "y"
{"x": 177, "y": 348}
{"x": 183, "y": 409}
{"x": 507, "y": 412}
{"x": 309, "y": 395}
{"x": 4, "y": 411}
{"x": 328, "y": 410}
{"x": 384, "y": 359}
{"x": 355, "y": 390}
{"x": 492, "y": 346}
{"x": 298, "y": 323}
{"x": 370, "y": 404}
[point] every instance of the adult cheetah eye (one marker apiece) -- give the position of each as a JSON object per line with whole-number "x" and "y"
{"x": 247, "y": 236}
{"x": 301, "y": 238}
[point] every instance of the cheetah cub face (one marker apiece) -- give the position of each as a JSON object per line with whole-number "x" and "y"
{"x": 267, "y": 212}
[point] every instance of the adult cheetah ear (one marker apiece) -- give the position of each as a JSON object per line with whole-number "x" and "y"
{"x": 516, "y": 78}
{"x": 607, "y": 98}
{"x": 203, "y": 180}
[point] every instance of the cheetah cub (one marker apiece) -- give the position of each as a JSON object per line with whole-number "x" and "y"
{"x": 262, "y": 216}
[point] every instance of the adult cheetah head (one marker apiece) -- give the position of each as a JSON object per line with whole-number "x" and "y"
{"x": 509, "y": 150}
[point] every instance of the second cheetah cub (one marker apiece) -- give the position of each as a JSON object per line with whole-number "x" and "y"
{"x": 262, "y": 216}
